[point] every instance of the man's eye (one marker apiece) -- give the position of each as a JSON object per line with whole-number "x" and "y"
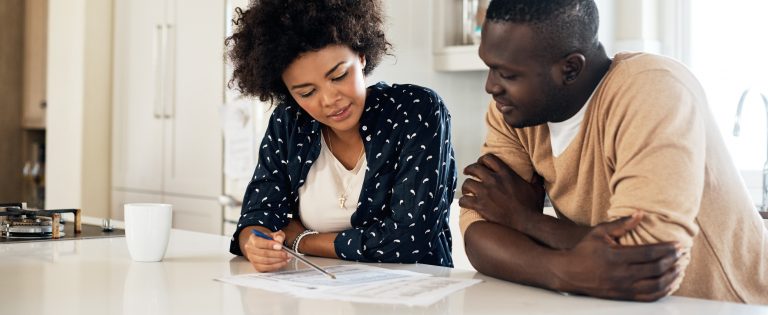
{"x": 341, "y": 77}
{"x": 507, "y": 76}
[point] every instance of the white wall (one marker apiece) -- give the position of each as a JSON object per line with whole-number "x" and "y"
{"x": 410, "y": 32}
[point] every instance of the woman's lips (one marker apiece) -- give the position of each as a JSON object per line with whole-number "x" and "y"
{"x": 341, "y": 114}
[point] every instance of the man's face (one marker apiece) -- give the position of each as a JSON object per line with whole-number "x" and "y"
{"x": 522, "y": 81}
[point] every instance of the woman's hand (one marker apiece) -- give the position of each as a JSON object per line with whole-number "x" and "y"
{"x": 265, "y": 255}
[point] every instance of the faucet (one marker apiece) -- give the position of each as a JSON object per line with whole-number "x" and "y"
{"x": 737, "y": 131}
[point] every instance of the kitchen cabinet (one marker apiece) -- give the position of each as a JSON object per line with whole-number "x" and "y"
{"x": 35, "y": 45}
{"x": 22, "y": 118}
{"x": 33, "y": 109}
{"x": 168, "y": 87}
{"x": 11, "y": 57}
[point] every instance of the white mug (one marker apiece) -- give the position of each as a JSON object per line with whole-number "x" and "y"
{"x": 147, "y": 229}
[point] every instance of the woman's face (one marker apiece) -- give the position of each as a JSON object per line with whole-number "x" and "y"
{"x": 329, "y": 85}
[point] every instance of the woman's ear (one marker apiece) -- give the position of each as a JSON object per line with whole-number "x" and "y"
{"x": 362, "y": 60}
{"x": 572, "y": 67}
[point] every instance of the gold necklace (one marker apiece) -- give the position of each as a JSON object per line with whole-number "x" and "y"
{"x": 337, "y": 177}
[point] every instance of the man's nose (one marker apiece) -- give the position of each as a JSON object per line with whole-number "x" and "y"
{"x": 491, "y": 86}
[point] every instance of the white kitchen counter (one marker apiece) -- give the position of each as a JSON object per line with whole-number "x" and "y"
{"x": 98, "y": 277}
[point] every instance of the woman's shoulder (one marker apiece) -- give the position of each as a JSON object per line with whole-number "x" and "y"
{"x": 289, "y": 121}
{"x": 290, "y": 115}
{"x": 410, "y": 96}
{"x": 285, "y": 111}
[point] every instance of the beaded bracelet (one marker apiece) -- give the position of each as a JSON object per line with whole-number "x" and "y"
{"x": 298, "y": 239}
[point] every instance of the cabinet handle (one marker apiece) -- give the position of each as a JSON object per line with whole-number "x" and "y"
{"x": 157, "y": 65}
{"x": 229, "y": 201}
{"x": 169, "y": 109}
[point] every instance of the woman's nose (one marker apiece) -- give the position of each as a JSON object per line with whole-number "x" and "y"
{"x": 330, "y": 95}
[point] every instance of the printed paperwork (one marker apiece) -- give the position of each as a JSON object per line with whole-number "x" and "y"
{"x": 357, "y": 283}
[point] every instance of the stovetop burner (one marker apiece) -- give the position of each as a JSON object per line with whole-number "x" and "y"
{"x": 29, "y": 228}
{"x": 18, "y": 222}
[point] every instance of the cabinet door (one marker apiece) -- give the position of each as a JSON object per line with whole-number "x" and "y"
{"x": 193, "y": 163}
{"x": 228, "y": 228}
{"x": 195, "y": 214}
{"x": 35, "y": 45}
{"x": 139, "y": 45}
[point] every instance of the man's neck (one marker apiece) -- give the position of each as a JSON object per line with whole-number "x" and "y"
{"x": 597, "y": 66}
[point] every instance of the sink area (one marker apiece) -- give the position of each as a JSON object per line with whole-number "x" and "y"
{"x": 764, "y": 214}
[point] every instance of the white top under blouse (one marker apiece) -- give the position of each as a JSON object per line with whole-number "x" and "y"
{"x": 319, "y": 196}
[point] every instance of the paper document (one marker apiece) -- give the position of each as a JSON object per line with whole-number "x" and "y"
{"x": 346, "y": 275}
{"x": 357, "y": 283}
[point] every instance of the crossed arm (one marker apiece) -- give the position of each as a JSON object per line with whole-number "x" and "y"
{"x": 519, "y": 243}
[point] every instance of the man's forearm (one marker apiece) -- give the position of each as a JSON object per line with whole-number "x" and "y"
{"x": 596, "y": 266}
{"x": 553, "y": 232}
{"x": 503, "y": 252}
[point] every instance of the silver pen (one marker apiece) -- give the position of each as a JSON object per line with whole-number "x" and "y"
{"x": 295, "y": 254}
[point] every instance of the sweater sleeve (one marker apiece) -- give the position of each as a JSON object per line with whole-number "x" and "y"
{"x": 655, "y": 142}
{"x": 268, "y": 199}
{"x": 504, "y": 142}
{"x": 423, "y": 187}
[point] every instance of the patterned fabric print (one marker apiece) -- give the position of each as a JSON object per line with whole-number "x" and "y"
{"x": 402, "y": 215}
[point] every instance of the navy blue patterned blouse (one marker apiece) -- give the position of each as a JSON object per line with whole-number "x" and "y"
{"x": 403, "y": 209}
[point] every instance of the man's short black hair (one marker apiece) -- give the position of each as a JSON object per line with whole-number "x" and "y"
{"x": 562, "y": 26}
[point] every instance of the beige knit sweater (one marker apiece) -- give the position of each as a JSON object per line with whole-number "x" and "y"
{"x": 649, "y": 142}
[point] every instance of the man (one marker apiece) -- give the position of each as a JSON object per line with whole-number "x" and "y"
{"x": 648, "y": 200}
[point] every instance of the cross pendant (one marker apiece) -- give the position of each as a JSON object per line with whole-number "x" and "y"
{"x": 341, "y": 201}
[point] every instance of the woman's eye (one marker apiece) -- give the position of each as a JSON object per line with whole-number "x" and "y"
{"x": 341, "y": 77}
{"x": 307, "y": 94}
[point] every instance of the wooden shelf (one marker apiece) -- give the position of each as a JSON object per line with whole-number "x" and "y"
{"x": 458, "y": 58}
{"x": 451, "y": 50}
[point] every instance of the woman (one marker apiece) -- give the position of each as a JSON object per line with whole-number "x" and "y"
{"x": 344, "y": 171}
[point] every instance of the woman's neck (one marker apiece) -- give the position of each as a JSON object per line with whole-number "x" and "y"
{"x": 346, "y": 146}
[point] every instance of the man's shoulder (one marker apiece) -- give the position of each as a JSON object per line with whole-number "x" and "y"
{"x": 632, "y": 63}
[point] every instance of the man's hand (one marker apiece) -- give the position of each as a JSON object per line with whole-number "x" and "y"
{"x": 499, "y": 194}
{"x": 599, "y": 266}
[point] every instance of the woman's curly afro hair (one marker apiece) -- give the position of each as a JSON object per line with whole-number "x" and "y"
{"x": 270, "y": 34}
